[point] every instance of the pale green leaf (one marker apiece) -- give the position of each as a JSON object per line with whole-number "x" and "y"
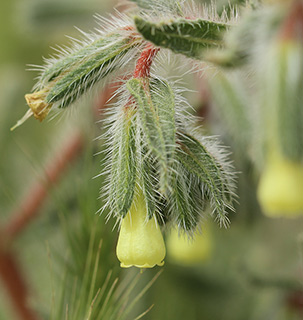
{"x": 75, "y": 74}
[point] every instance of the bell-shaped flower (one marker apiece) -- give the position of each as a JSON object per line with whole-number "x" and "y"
{"x": 140, "y": 241}
{"x": 186, "y": 251}
{"x": 280, "y": 190}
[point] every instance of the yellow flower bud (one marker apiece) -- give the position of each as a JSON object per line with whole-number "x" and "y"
{"x": 189, "y": 251}
{"x": 140, "y": 241}
{"x": 36, "y": 101}
{"x": 38, "y": 107}
{"x": 280, "y": 190}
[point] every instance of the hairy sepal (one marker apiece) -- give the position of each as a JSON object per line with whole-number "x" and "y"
{"x": 123, "y": 168}
{"x": 73, "y": 76}
{"x": 185, "y": 202}
{"x": 150, "y": 183}
{"x": 215, "y": 180}
{"x": 156, "y": 106}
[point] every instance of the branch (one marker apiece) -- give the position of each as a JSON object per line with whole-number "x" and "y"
{"x": 34, "y": 200}
{"x": 15, "y": 285}
{"x": 29, "y": 209}
{"x": 144, "y": 62}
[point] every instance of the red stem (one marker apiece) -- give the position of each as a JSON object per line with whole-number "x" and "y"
{"x": 144, "y": 62}
{"x": 142, "y": 69}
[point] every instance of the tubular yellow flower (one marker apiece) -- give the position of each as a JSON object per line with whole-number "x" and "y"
{"x": 280, "y": 190}
{"x": 140, "y": 242}
{"x": 189, "y": 251}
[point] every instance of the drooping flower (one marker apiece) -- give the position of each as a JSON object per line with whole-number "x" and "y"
{"x": 140, "y": 241}
{"x": 183, "y": 250}
{"x": 280, "y": 190}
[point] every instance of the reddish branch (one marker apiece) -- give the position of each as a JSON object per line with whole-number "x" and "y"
{"x": 294, "y": 301}
{"x": 36, "y": 196}
{"x": 292, "y": 28}
{"x": 143, "y": 65}
{"x": 144, "y": 62}
{"x": 15, "y": 285}
{"x": 10, "y": 271}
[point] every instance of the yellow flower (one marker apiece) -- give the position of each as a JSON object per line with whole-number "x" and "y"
{"x": 38, "y": 107}
{"x": 189, "y": 251}
{"x": 140, "y": 241}
{"x": 280, "y": 190}
{"x": 36, "y": 101}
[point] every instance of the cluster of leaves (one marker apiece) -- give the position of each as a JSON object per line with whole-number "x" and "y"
{"x": 150, "y": 136}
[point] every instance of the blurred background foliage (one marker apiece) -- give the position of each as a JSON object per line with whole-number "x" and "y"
{"x": 254, "y": 270}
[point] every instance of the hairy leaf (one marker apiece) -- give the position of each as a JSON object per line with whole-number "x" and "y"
{"x": 188, "y": 37}
{"x": 123, "y": 171}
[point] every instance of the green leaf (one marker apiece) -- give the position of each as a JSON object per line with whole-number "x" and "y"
{"x": 149, "y": 184}
{"x": 75, "y": 74}
{"x": 188, "y": 37}
{"x": 214, "y": 179}
{"x": 249, "y": 39}
{"x": 156, "y": 107}
{"x": 123, "y": 171}
{"x": 185, "y": 201}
